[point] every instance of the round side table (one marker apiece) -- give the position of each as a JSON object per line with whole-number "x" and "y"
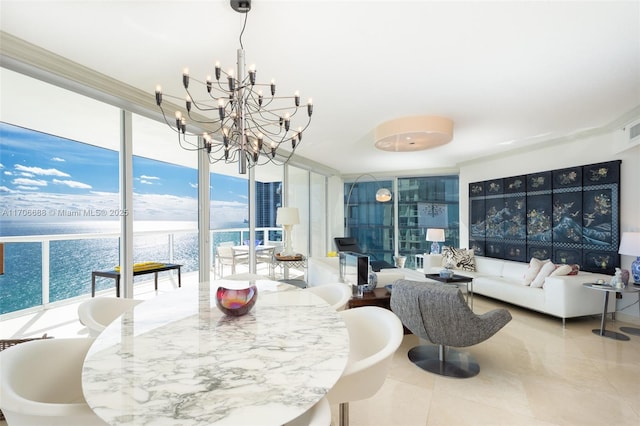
{"x": 633, "y": 330}
{"x": 606, "y": 289}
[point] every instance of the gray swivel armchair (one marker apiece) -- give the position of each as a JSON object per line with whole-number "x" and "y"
{"x": 439, "y": 314}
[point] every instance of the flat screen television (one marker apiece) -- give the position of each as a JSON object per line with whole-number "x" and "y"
{"x": 354, "y": 268}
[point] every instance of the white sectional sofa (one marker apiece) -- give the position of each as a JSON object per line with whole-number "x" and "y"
{"x": 563, "y": 296}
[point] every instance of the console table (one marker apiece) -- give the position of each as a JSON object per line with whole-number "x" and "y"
{"x": 116, "y": 275}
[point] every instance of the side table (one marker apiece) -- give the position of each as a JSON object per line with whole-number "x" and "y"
{"x": 456, "y": 280}
{"x": 379, "y": 297}
{"x": 606, "y": 289}
{"x": 287, "y": 263}
{"x": 633, "y": 330}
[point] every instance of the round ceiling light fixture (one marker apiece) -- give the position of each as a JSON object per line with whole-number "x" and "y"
{"x": 415, "y": 133}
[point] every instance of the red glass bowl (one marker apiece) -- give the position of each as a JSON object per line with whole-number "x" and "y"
{"x": 237, "y": 298}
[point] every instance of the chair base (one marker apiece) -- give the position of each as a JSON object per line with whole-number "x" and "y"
{"x": 444, "y": 361}
{"x": 631, "y": 330}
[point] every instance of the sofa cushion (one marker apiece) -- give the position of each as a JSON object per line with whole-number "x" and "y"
{"x": 510, "y": 291}
{"x": 458, "y": 258}
{"x": 545, "y": 271}
{"x": 532, "y": 271}
{"x": 489, "y": 266}
{"x": 561, "y": 270}
{"x": 514, "y": 271}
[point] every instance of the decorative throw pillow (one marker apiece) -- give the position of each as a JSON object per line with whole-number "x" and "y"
{"x": 575, "y": 268}
{"x": 532, "y": 271}
{"x": 561, "y": 270}
{"x": 458, "y": 258}
{"x": 545, "y": 271}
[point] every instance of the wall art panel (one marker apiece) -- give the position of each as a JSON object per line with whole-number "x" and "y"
{"x": 569, "y": 215}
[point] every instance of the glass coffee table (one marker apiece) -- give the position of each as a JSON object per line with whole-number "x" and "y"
{"x": 456, "y": 280}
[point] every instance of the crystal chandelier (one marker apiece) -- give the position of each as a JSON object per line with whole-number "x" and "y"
{"x": 235, "y": 120}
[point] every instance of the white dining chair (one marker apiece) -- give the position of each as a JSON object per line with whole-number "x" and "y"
{"x": 335, "y": 294}
{"x": 41, "y": 383}
{"x": 266, "y": 256}
{"x": 98, "y": 312}
{"x": 225, "y": 257}
{"x": 318, "y": 415}
{"x": 374, "y": 336}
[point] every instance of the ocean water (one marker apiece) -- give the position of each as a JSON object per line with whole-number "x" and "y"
{"x": 72, "y": 261}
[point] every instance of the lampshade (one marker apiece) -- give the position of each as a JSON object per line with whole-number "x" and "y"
{"x": 287, "y": 216}
{"x": 435, "y": 234}
{"x": 413, "y": 133}
{"x": 383, "y": 195}
{"x": 630, "y": 244}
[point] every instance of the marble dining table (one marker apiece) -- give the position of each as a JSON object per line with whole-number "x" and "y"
{"x": 177, "y": 359}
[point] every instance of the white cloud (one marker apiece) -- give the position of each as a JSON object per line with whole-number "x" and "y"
{"x": 25, "y": 174}
{"x": 8, "y": 173}
{"x": 1, "y": 166}
{"x": 41, "y": 171}
{"x": 29, "y": 182}
{"x": 149, "y": 177}
{"x": 224, "y": 213}
{"x": 62, "y": 160}
{"x": 106, "y": 194}
{"x": 5, "y": 189}
{"x": 27, "y": 188}
{"x": 146, "y": 182}
{"x": 193, "y": 185}
{"x": 72, "y": 184}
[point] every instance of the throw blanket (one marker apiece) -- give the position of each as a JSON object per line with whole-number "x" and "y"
{"x": 142, "y": 266}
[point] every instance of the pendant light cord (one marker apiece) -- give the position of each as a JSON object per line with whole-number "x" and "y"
{"x": 246, "y": 15}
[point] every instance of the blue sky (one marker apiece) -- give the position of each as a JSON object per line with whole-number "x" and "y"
{"x": 39, "y": 170}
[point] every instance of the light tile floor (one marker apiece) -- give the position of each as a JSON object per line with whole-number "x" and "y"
{"x": 533, "y": 372}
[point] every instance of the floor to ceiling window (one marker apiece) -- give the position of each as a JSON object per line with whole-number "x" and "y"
{"x": 368, "y": 220}
{"x": 59, "y": 176}
{"x": 423, "y": 202}
{"x": 164, "y": 184}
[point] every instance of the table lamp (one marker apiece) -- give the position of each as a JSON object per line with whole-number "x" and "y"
{"x": 436, "y": 235}
{"x": 287, "y": 217}
{"x": 630, "y": 246}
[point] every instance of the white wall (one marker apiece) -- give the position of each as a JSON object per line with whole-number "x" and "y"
{"x": 569, "y": 153}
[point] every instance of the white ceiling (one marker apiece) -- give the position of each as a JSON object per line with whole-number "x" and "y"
{"x": 509, "y": 74}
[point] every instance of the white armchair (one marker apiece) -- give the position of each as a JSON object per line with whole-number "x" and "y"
{"x": 374, "y": 336}
{"x": 98, "y": 312}
{"x": 41, "y": 383}
{"x": 335, "y": 294}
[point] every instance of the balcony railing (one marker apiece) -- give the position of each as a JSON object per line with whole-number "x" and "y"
{"x": 44, "y": 269}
